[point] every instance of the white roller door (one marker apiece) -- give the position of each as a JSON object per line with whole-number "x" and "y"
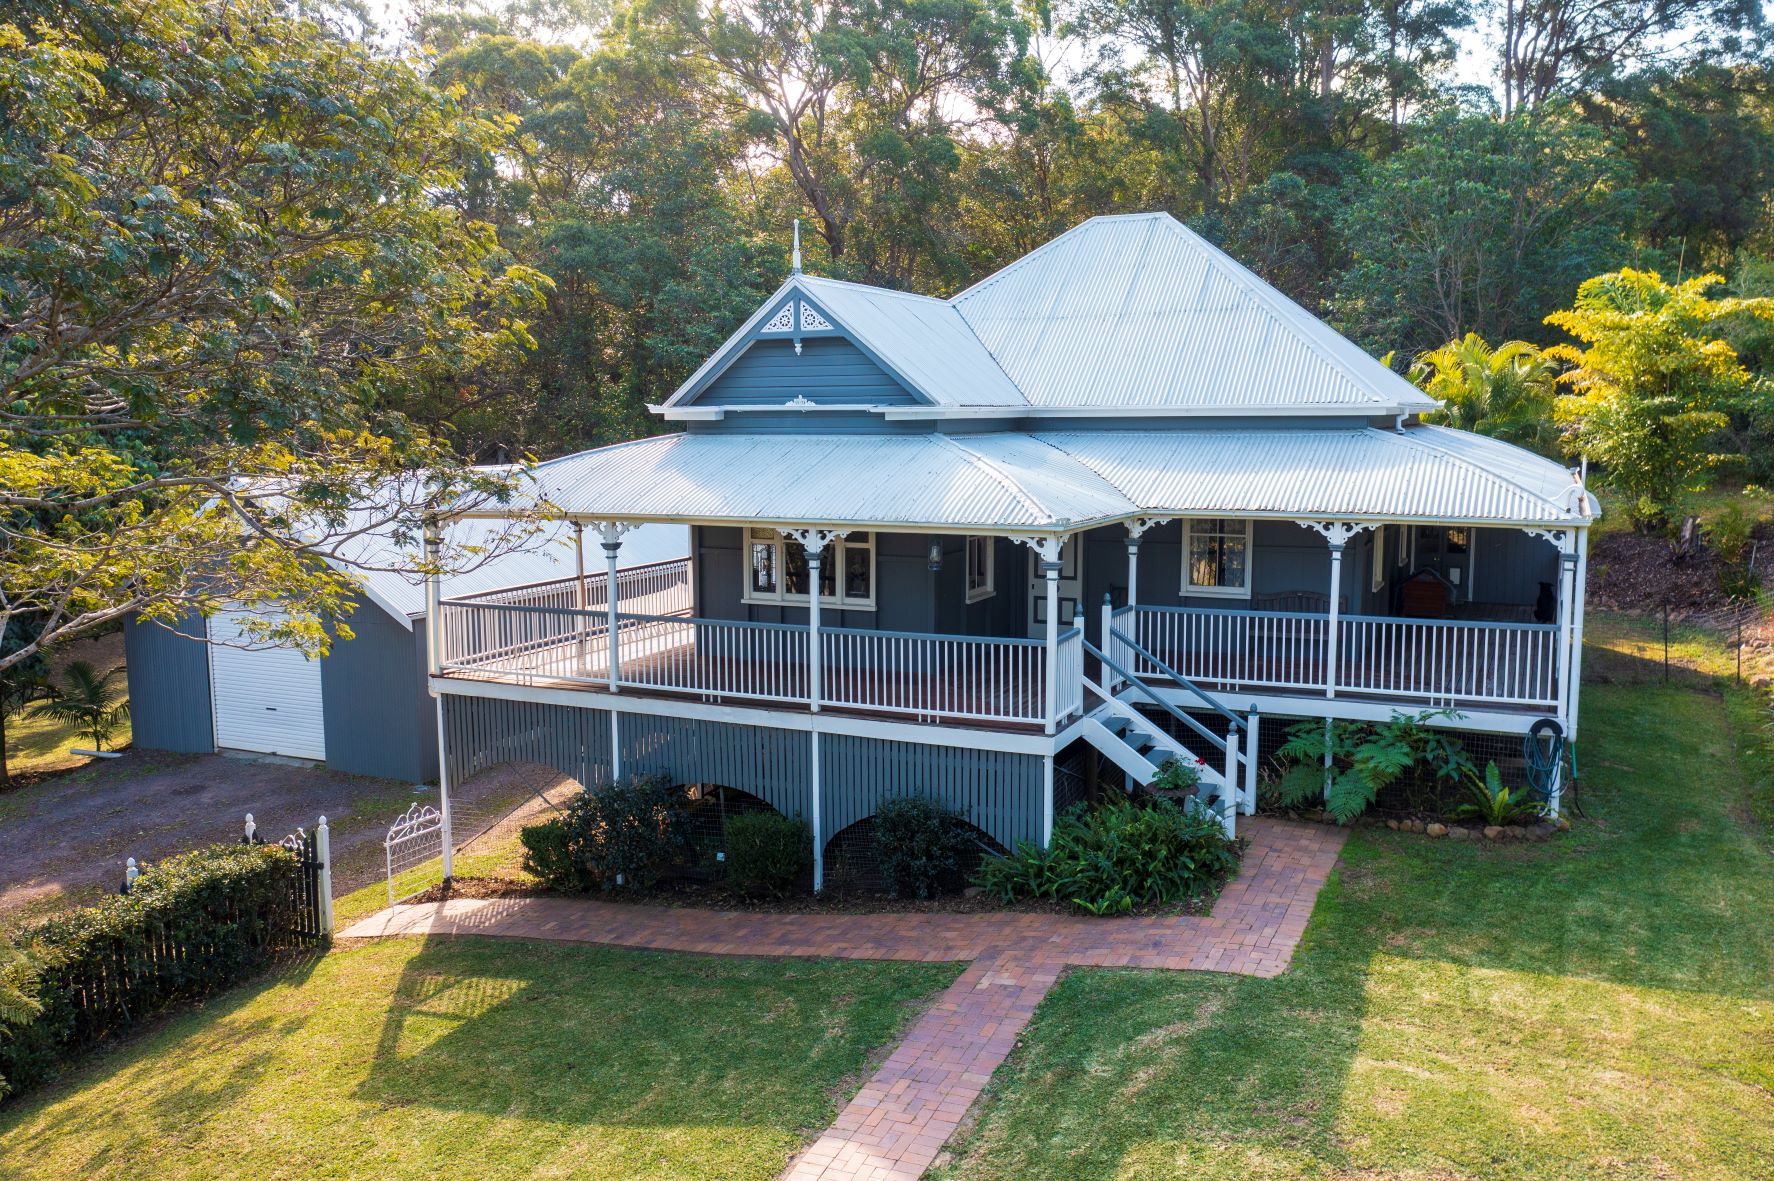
{"x": 266, "y": 699}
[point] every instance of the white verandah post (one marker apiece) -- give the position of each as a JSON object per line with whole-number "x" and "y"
{"x": 612, "y": 534}
{"x": 815, "y": 563}
{"x": 1251, "y": 721}
{"x": 813, "y": 543}
{"x": 1050, "y": 570}
{"x": 434, "y": 662}
{"x": 1333, "y": 610}
{"x": 1567, "y": 598}
{"x": 579, "y": 596}
{"x": 1574, "y": 692}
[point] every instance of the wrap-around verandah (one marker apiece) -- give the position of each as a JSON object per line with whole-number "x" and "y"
{"x": 559, "y": 633}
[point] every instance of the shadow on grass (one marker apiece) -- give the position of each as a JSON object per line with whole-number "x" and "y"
{"x": 1574, "y": 1009}
{"x": 98, "y": 1065}
{"x": 580, "y": 1034}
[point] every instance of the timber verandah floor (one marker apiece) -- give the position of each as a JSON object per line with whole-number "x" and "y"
{"x": 955, "y": 696}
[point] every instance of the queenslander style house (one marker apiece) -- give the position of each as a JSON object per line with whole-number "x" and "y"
{"x": 1120, "y": 503}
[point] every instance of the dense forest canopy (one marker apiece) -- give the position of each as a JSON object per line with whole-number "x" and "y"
{"x": 659, "y": 149}
{"x": 259, "y": 257}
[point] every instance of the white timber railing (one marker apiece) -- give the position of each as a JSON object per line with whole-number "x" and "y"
{"x": 658, "y": 588}
{"x": 1439, "y": 662}
{"x": 927, "y": 676}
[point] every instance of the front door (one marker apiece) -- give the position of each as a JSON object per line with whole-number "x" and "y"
{"x": 1448, "y": 552}
{"x": 1071, "y": 588}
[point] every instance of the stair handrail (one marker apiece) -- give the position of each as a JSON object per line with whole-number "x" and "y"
{"x": 1213, "y": 739}
{"x": 1206, "y": 698}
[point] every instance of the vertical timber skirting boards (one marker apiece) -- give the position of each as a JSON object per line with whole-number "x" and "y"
{"x": 831, "y": 779}
{"x": 1001, "y": 793}
{"x": 485, "y": 732}
{"x": 770, "y": 763}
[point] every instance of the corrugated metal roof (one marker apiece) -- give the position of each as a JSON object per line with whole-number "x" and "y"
{"x": 912, "y": 480}
{"x": 1418, "y": 474}
{"x": 384, "y": 567}
{"x": 924, "y": 339}
{"x": 1059, "y": 480}
{"x": 1140, "y": 311}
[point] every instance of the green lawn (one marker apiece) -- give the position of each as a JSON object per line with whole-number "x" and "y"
{"x": 479, "y": 1058}
{"x": 1598, "y": 1007}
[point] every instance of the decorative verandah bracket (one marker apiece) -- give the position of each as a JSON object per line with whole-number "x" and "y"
{"x": 813, "y": 542}
{"x": 1338, "y": 534}
{"x": 1563, "y": 540}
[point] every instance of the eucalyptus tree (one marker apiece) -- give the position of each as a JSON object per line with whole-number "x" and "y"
{"x": 616, "y": 178}
{"x": 1558, "y": 48}
{"x": 861, "y": 102}
{"x": 221, "y": 264}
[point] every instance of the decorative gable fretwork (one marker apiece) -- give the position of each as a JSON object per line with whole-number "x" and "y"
{"x": 796, "y": 317}
{"x": 782, "y": 321}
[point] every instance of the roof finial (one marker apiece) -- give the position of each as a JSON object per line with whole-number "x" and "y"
{"x": 797, "y": 264}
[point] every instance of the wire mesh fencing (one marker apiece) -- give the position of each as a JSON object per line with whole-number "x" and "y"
{"x": 1676, "y": 645}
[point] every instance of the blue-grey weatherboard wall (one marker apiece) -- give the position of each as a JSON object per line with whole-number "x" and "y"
{"x": 1000, "y": 793}
{"x": 169, "y": 697}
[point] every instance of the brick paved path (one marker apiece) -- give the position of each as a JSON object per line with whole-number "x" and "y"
{"x": 895, "y": 1126}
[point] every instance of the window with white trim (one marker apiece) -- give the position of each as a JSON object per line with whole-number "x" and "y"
{"x": 1216, "y": 557}
{"x": 981, "y": 576}
{"x": 776, "y": 570}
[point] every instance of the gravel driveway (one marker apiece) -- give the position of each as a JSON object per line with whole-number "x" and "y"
{"x": 65, "y": 839}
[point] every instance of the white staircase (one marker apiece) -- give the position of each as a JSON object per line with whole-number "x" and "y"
{"x": 1137, "y": 744}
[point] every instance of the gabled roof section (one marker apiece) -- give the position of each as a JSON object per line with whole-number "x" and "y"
{"x": 923, "y": 343}
{"x": 1139, "y": 311}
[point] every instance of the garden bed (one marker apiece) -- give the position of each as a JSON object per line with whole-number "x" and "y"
{"x": 1433, "y": 826}
{"x": 713, "y": 896}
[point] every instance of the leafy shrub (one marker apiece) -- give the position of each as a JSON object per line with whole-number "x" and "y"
{"x": 1728, "y": 533}
{"x": 620, "y": 837}
{"x": 1491, "y": 802}
{"x": 1365, "y": 760}
{"x": 19, "y": 1005}
{"x": 1118, "y": 856}
{"x": 919, "y": 844}
{"x": 549, "y": 855}
{"x": 190, "y": 926}
{"x": 768, "y": 854}
{"x": 1178, "y": 777}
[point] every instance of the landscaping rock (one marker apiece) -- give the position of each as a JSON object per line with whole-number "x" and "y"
{"x": 1393, "y": 825}
{"x": 1437, "y": 830}
{"x": 1460, "y": 834}
{"x": 1494, "y": 832}
{"x": 969, "y": 892}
